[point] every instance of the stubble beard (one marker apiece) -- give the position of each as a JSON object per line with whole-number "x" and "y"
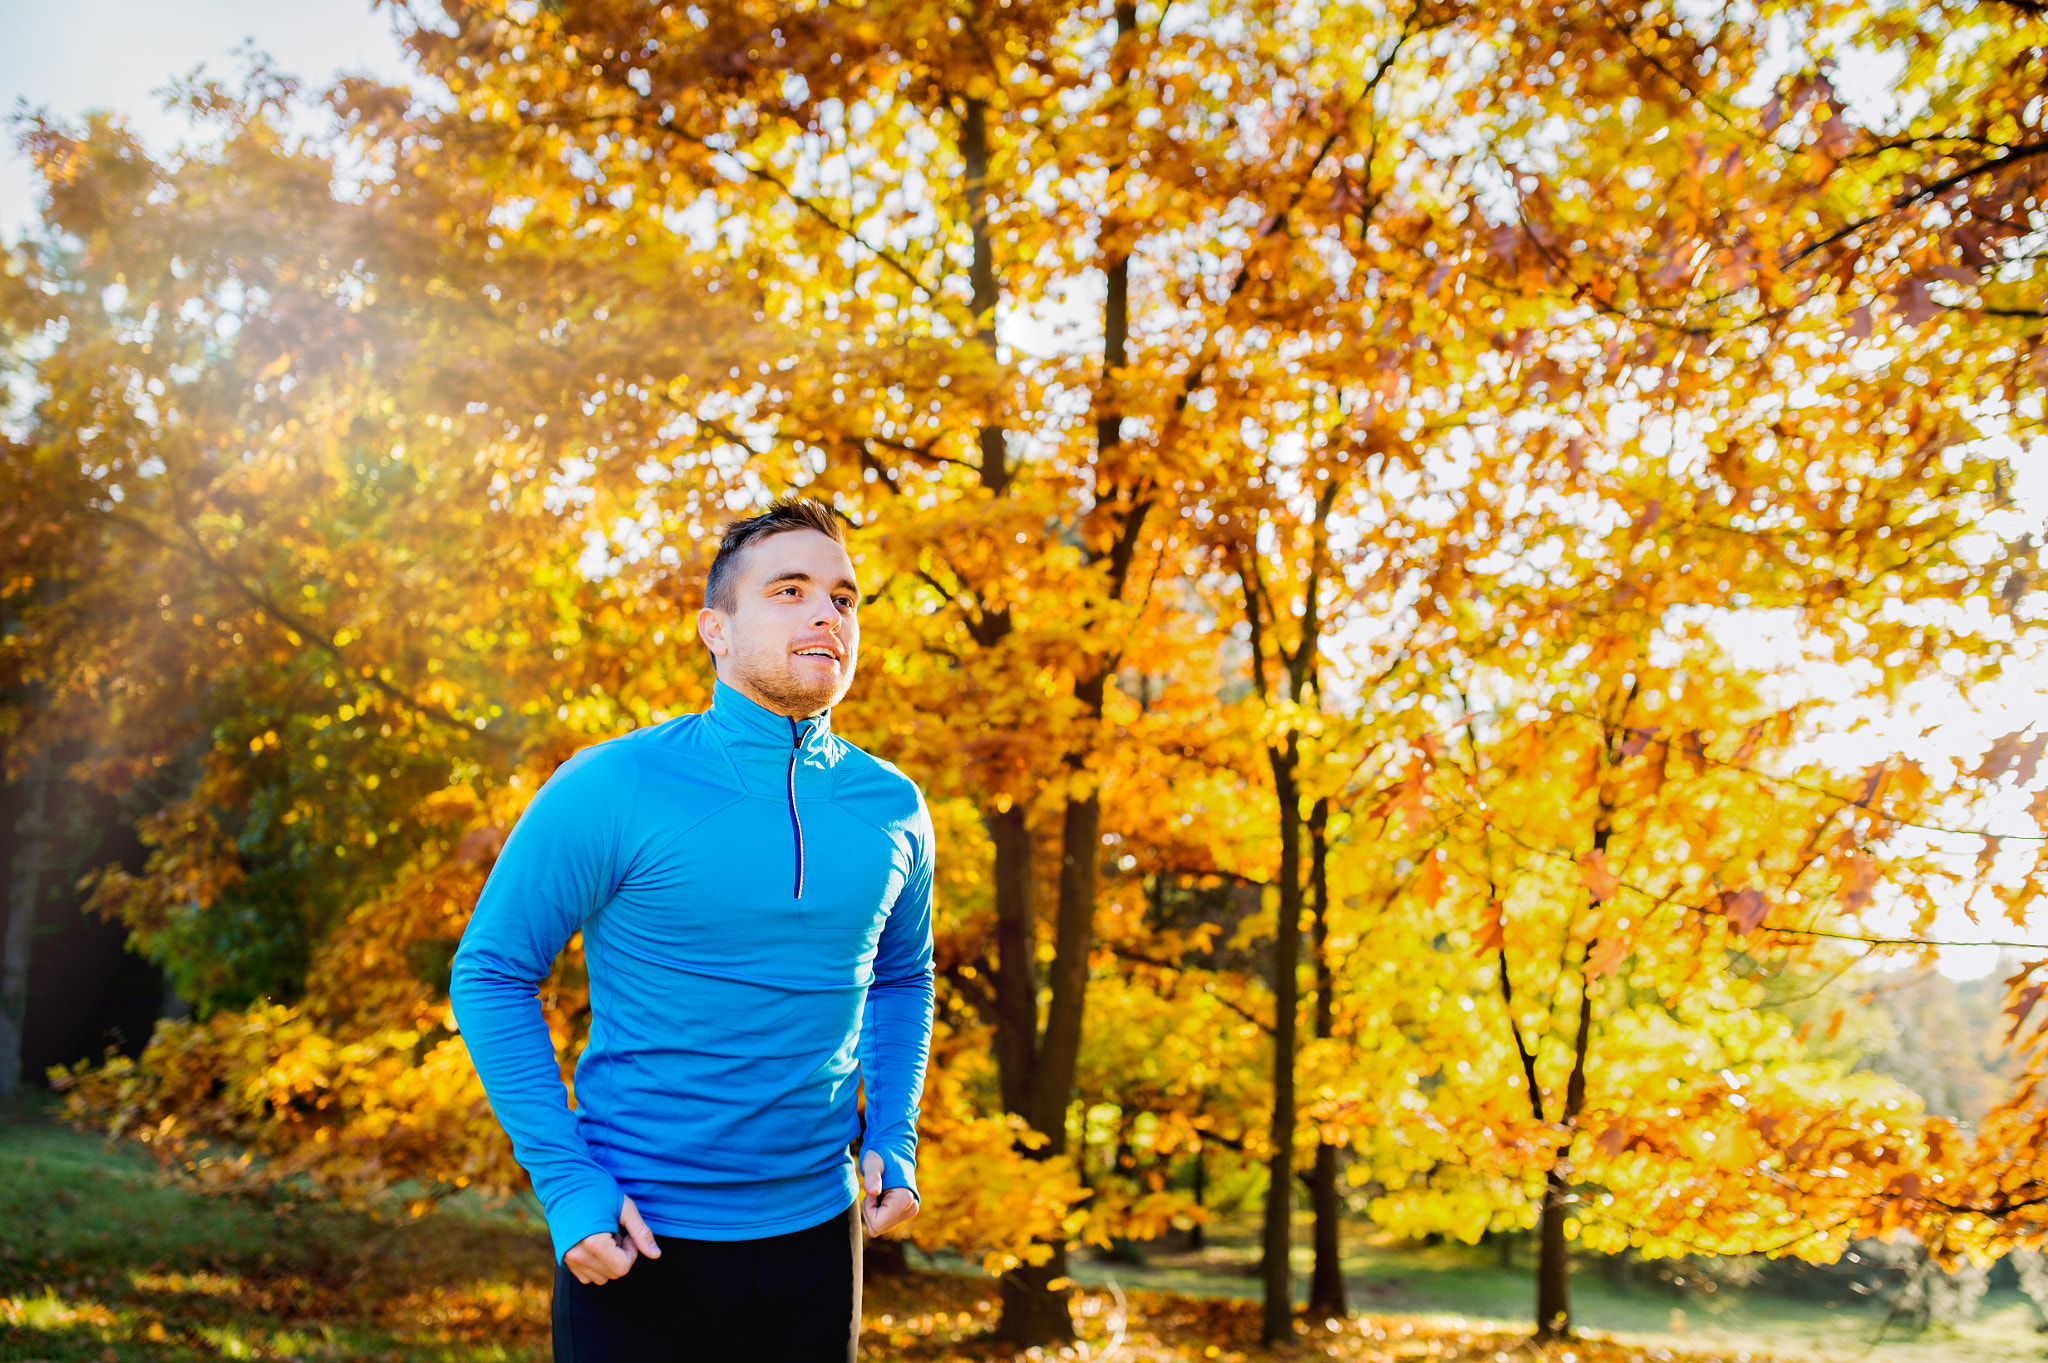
{"x": 785, "y": 691}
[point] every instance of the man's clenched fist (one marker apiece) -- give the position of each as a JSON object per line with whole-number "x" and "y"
{"x": 608, "y": 1254}
{"x": 882, "y": 1211}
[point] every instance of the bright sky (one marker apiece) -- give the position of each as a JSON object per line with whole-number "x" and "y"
{"x": 71, "y": 56}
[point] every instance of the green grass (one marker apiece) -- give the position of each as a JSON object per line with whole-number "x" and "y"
{"x": 1385, "y": 1277}
{"x": 101, "y": 1259}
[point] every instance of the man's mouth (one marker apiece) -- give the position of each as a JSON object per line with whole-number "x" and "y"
{"x": 818, "y": 652}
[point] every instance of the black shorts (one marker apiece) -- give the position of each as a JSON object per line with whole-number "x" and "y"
{"x": 791, "y": 1298}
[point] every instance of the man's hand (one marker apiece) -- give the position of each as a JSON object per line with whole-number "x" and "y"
{"x": 608, "y": 1254}
{"x": 882, "y": 1211}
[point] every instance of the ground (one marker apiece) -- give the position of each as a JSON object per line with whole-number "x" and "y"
{"x": 102, "y": 1259}
{"x": 1468, "y": 1286}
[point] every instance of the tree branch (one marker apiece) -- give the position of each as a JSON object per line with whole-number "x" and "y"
{"x": 2025, "y": 151}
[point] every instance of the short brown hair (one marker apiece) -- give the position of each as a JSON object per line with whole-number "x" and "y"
{"x": 790, "y": 513}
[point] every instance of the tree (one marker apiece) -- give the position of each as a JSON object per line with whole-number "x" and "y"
{"x": 1881, "y": 251}
{"x": 1287, "y": 596}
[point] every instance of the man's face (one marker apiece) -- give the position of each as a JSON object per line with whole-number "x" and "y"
{"x": 792, "y": 638}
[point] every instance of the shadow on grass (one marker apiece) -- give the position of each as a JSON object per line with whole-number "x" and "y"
{"x": 102, "y": 1259}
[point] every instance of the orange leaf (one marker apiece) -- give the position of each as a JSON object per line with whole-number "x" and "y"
{"x": 1429, "y": 880}
{"x": 1492, "y": 930}
{"x": 2007, "y": 753}
{"x": 1606, "y": 955}
{"x": 2022, "y": 1004}
{"x": 1744, "y": 909}
{"x": 1601, "y": 882}
{"x": 1859, "y": 874}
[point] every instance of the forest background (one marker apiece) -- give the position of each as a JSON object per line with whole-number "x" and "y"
{"x": 1400, "y": 535}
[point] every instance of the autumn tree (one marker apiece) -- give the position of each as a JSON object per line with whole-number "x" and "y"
{"x": 1284, "y": 676}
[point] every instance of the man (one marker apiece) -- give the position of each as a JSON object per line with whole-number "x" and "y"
{"x": 754, "y": 895}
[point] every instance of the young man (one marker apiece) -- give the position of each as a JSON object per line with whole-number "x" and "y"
{"x": 754, "y": 895}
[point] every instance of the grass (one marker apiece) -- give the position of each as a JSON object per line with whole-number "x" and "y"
{"x": 101, "y": 1259}
{"x": 1399, "y": 1278}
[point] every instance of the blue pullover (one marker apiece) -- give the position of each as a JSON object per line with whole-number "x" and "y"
{"x": 755, "y": 898}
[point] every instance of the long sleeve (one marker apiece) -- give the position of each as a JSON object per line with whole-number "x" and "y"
{"x": 896, "y": 1030}
{"x": 559, "y": 866}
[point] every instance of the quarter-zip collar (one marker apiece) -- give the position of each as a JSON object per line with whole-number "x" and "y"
{"x": 764, "y": 745}
{"x": 759, "y": 740}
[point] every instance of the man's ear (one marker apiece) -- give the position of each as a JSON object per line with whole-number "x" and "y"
{"x": 711, "y": 629}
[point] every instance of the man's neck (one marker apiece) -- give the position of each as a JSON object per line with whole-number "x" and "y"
{"x": 773, "y": 707}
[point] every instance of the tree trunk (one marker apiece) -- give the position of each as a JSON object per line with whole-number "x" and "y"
{"x": 1277, "y": 1322}
{"x": 1196, "y": 1240}
{"x": 1034, "y": 1313}
{"x": 884, "y": 1259}
{"x": 1326, "y": 1296}
{"x": 23, "y": 892}
{"x": 981, "y": 279}
{"x": 1553, "y": 1261}
{"x": 1016, "y": 965}
{"x": 1032, "y": 1310}
{"x": 1073, "y": 942}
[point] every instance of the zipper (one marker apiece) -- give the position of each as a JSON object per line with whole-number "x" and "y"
{"x": 796, "y": 825}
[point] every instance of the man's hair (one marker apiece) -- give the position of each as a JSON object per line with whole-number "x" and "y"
{"x": 791, "y": 513}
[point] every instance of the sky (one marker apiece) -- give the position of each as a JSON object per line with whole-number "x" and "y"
{"x": 72, "y": 56}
